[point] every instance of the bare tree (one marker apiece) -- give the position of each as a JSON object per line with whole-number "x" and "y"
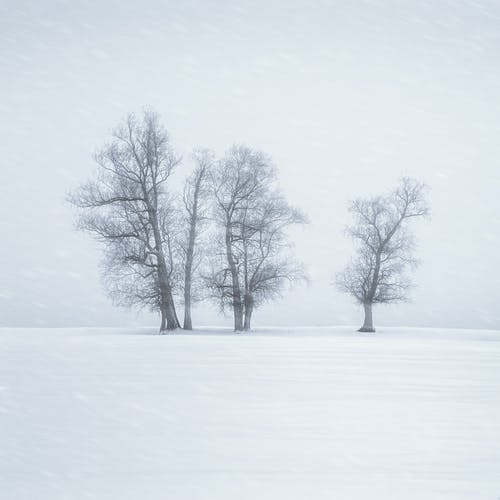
{"x": 127, "y": 207}
{"x": 378, "y": 274}
{"x": 195, "y": 200}
{"x": 253, "y": 217}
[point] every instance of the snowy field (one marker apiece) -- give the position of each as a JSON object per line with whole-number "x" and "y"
{"x": 275, "y": 414}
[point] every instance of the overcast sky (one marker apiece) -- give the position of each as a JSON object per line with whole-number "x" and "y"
{"x": 346, "y": 96}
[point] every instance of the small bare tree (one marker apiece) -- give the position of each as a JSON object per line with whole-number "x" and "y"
{"x": 378, "y": 274}
{"x": 195, "y": 200}
{"x": 127, "y": 207}
{"x": 253, "y": 217}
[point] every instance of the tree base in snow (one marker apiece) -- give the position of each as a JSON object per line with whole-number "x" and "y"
{"x": 166, "y": 331}
{"x": 366, "y": 329}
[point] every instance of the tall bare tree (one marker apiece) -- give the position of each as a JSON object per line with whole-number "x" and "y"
{"x": 378, "y": 274}
{"x": 127, "y": 207}
{"x": 195, "y": 200}
{"x": 253, "y": 217}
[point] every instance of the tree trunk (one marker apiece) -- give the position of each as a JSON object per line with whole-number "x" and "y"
{"x": 177, "y": 322}
{"x": 188, "y": 271}
{"x": 248, "y": 312}
{"x": 368, "y": 323}
{"x": 237, "y": 305}
{"x": 167, "y": 306}
{"x": 188, "y": 324}
{"x": 169, "y": 320}
{"x": 163, "y": 324}
{"x": 238, "y": 318}
{"x": 172, "y": 319}
{"x": 236, "y": 292}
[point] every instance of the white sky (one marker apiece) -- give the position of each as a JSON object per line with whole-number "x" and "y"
{"x": 346, "y": 97}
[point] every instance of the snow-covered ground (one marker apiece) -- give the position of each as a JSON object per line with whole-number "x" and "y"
{"x": 275, "y": 414}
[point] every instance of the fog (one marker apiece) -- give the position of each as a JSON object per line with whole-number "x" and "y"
{"x": 345, "y": 96}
